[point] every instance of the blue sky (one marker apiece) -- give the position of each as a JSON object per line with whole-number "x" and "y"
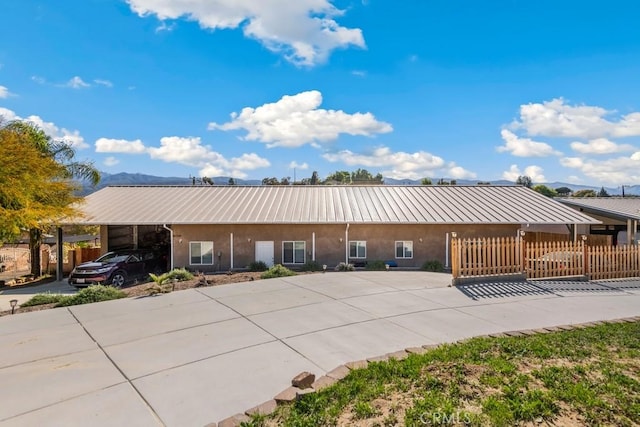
{"x": 256, "y": 88}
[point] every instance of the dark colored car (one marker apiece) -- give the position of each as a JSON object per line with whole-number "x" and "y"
{"x": 116, "y": 268}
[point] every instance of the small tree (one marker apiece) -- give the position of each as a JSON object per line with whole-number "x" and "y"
{"x": 564, "y": 191}
{"x": 270, "y": 181}
{"x": 544, "y": 190}
{"x": 343, "y": 177}
{"x": 232, "y": 181}
{"x": 585, "y": 193}
{"x": 603, "y": 193}
{"x": 425, "y": 181}
{"x": 314, "y": 178}
{"x": 525, "y": 181}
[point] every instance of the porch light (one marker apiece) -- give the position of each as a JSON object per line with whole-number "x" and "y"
{"x": 584, "y": 237}
{"x": 386, "y": 267}
{"x": 324, "y": 268}
{"x": 13, "y": 304}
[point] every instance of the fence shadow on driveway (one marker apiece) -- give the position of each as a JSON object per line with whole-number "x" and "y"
{"x": 492, "y": 290}
{"x": 477, "y": 291}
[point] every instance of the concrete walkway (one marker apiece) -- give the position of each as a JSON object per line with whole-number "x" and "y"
{"x": 25, "y": 292}
{"x": 198, "y": 356}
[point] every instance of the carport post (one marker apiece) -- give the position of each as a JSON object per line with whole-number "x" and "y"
{"x": 60, "y": 254}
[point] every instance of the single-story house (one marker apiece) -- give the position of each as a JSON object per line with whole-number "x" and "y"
{"x": 219, "y": 228}
{"x": 619, "y": 216}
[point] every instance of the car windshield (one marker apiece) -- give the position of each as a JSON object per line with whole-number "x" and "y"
{"x": 112, "y": 257}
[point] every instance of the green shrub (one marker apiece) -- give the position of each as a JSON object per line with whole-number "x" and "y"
{"x": 181, "y": 274}
{"x": 277, "y": 270}
{"x": 41, "y": 299}
{"x": 343, "y": 266}
{"x": 258, "y": 266}
{"x": 433, "y": 265}
{"x": 311, "y": 266}
{"x": 91, "y": 294}
{"x": 377, "y": 265}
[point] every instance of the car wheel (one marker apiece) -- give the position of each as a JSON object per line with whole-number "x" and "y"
{"x": 118, "y": 279}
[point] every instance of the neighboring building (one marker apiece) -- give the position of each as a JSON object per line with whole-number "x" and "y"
{"x": 217, "y": 228}
{"x": 619, "y": 216}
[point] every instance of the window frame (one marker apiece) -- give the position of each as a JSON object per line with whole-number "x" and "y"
{"x": 404, "y": 249}
{"x": 201, "y": 252}
{"x": 357, "y": 246}
{"x": 293, "y": 252}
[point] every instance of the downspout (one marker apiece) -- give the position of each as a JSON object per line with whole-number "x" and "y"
{"x": 446, "y": 249}
{"x": 171, "y": 240}
{"x": 346, "y": 245}
{"x": 313, "y": 246}
{"x": 231, "y": 247}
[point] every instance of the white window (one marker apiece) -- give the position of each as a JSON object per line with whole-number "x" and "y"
{"x": 293, "y": 252}
{"x": 201, "y": 253}
{"x": 404, "y": 249}
{"x": 357, "y": 249}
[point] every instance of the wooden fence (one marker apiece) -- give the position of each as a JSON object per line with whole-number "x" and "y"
{"x": 537, "y": 260}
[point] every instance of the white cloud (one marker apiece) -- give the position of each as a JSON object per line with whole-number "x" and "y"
{"x": 534, "y": 172}
{"x": 110, "y": 161}
{"x": 39, "y": 80}
{"x": 107, "y": 145}
{"x": 4, "y": 92}
{"x": 164, "y": 26}
{"x": 571, "y": 162}
{"x": 71, "y": 137}
{"x": 600, "y": 146}
{"x": 103, "y": 82}
{"x": 616, "y": 171}
{"x": 296, "y": 120}
{"x": 190, "y": 151}
{"x": 401, "y": 165}
{"x": 296, "y": 165}
{"x": 524, "y": 147}
{"x": 304, "y": 31}
{"x": 557, "y": 119}
{"x": 76, "y": 83}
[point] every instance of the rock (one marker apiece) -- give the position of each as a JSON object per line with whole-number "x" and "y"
{"x": 303, "y": 380}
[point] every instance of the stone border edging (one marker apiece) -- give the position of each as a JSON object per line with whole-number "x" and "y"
{"x": 293, "y": 393}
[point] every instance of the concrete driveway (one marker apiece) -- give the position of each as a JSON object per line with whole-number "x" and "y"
{"x": 198, "y": 356}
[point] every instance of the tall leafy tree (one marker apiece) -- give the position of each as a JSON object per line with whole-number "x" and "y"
{"x": 343, "y": 177}
{"x": 314, "y": 178}
{"x": 525, "y": 181}
{"x": 37, "y": 187}
{"x": 425, "y": 181}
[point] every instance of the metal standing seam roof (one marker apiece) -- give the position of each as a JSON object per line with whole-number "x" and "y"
{"x": 379, "y": 204}
{"x": 620, "y": 207}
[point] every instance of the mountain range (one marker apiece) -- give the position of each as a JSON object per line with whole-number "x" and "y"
{"x": 124, "y": 178}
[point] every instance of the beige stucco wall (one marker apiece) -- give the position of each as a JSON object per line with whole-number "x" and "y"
{"x": 429, "y": 241}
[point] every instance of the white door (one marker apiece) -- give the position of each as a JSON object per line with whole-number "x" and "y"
{"x": 264, "y": 252}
